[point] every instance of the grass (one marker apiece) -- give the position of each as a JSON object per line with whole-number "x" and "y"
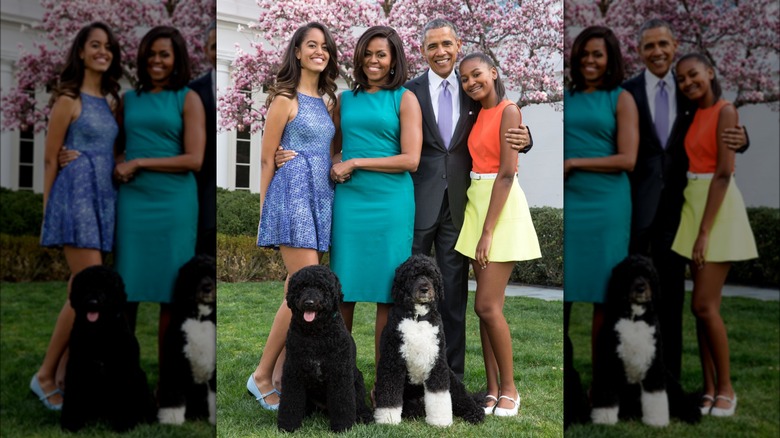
{"x": 754, "y": 341}
{"x": 27, "y": 315}
{"x": 246, "y": 311}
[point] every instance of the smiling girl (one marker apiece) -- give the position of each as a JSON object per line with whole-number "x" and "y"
{"x": 78, "y": 200}
{"x": 714, "y": 229}
{"x": 497, "y": 228}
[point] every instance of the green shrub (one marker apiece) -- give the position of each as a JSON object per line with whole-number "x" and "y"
{"x": 239, "y": 260}
{"x": 238, "y": 212}
{"x": 24, "y": 259}
{"x": 762, "y": 271}
{"x": 21, "y": 212}
{"x": 548, "y": 270}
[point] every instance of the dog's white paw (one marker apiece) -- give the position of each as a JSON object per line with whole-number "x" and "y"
{"x": 387, "y": 415}
{"x": 212, "y": 400}
{"x": 438, "y": 408}
{"x": 171, "y": 415}
{"x": 655, "y": 408}
{"x": 604, "y": 415}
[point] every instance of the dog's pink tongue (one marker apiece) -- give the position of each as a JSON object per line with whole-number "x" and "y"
{"x": 308, "y": 315}
{"x": 92, "y": 316}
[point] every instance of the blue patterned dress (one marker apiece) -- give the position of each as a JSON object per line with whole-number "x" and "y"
{"x": 80, "y": 211}
{"x": 299, "y": 201}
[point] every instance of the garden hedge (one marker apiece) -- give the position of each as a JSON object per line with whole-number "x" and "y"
{"x": 239, "y": 259}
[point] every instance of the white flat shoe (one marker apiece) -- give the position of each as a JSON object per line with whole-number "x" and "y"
{"x": 489, "y": 409}
{"x": 724, "y": 412}
{"x": 705, "y": 410}
{"x": 504, "y": 412}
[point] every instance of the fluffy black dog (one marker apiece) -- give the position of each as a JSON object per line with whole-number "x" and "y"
{"x": 188, "y": 378}
{"x": 104, "y": 380}
{"x": 629, "y": 375}
{"x": 412, "y": 375}
{"x": 320, "y": 371}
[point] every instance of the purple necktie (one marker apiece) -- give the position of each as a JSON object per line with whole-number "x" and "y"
{"x": 445, "y": 114}
{"x": 662, "y": 114}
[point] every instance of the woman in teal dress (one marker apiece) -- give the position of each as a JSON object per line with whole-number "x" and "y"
{"x": 378, "y": 142}
{"x": 164, "y": 140}
{"x": 601, "y": 138}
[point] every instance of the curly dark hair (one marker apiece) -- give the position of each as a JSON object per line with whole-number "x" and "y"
{"x": 414, "y": 267}
{"x": 317, "y": 277}
{"x": 620, "y": 283}
{"x": 72, "y": 75}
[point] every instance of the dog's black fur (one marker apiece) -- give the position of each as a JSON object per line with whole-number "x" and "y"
{"x": 103, "y": 380}
{"x": 320, "y": 371}
{"x": 620, "y": 381}
{"x": 188, "y": 378}
{"x": 403, "y": 383}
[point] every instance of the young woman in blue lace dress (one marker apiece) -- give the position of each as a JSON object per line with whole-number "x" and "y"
{"x": 296, "y": 200}
{"x": 78, "y": 200}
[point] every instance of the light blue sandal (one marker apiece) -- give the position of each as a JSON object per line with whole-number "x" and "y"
{"x": 35, "y": 387}
{"x": 260, "y": 397}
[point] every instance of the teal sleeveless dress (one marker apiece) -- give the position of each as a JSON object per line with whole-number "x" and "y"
{"x": 597, "y": 206}
{"x": 373, "y": 212}
{"x": 157, "y": 212}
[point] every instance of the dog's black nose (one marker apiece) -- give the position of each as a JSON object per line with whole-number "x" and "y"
{"x": 309, "y": 302}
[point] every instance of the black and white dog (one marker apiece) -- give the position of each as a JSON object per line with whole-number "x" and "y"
{"x": 188, "y": 380}
{"x": 104, "y": 380}
{"x": 628, "y": 349}
{"x": 412, "y": 375}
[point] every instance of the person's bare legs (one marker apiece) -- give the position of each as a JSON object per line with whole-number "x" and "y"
{"x": 78, "y": 259}
{"x": 264, "y": 376}
{"x": 707, "y": 287}
{"x": 491, "y": 367}
{"x": 382, "y": 310}
{"x": 348, "y": 314}
{"x": 595, "y": 329}
{"x": 489, "y": 306}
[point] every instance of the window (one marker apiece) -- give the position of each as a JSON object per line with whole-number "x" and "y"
{"x": 26, "y": 156}
{"x": 243, "y": 142}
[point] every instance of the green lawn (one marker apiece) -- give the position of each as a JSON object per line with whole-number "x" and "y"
{"x": 754, "y": 340}
{"x": 27, "y": 315}
{"x": 245, "y": 313}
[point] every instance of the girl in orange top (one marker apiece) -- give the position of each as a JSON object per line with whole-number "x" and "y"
{"x": 497, "y": 229}
{"x": 713, "y": 208}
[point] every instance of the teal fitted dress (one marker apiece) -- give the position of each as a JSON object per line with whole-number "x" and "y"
{"x": 373, "y": 212}
{"x": 157, "y": 212}
{"x": 597, "y": 206}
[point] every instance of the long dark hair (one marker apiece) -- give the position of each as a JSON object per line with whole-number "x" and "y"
{"x": 498, "y": 83}
{"x": 714, "y": 83}
{"x": 289, "y": 75}
{"x": 181, "y": 59}
{"x": 615, "y": 73}
{"x": 72, "y": 76}
{"x": 399, "y": 65}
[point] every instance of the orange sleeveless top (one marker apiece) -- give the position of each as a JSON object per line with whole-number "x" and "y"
{"x": 485, "y": 139}
{"x": 701, "y": 141}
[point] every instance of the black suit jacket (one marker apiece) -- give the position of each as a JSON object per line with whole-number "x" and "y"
{"x": 659, "y": 176}
{"x": 439, "y": 168}
{"x": 207, "y": 176}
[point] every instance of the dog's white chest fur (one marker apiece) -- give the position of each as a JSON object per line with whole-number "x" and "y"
{"x": 419, "y": 349}
{"x": 200, "y": 348}
{"x": 636, "y": 347}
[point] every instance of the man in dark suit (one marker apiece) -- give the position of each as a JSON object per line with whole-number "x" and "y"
{"x": 659, "y": 176}
{"x": 206, "y": 178}
{"x": 442, "y": 177}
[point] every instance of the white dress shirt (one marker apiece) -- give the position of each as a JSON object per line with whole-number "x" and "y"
{"x": 651, "y": 88}
{"x": 434, "y": 88}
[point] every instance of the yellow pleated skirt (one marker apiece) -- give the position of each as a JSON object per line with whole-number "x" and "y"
{"x": 514, "y": 238}
{"x": 730, "y": 239}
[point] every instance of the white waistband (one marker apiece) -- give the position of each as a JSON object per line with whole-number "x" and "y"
{"x": 692, "y": 175}
{"x": 475, "y": 175}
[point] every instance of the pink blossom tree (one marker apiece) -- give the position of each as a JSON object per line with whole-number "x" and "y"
{"x": 740, "y": 38}
{"x": 129, "y": 19}
{"x": 524, "y": 38}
